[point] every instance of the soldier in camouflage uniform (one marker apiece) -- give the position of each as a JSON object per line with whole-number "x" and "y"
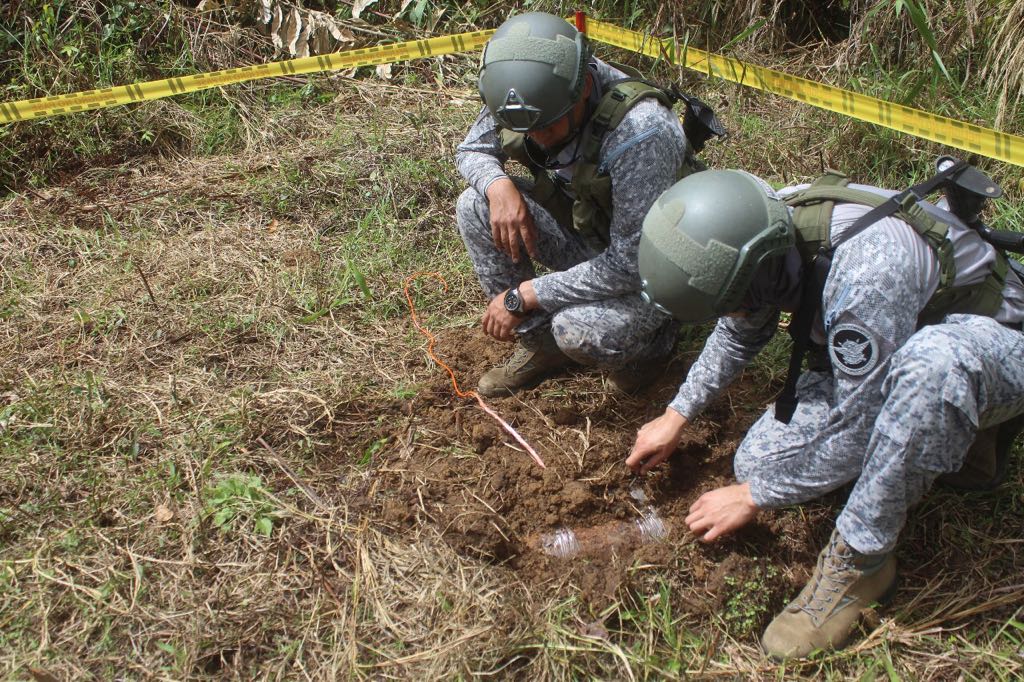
{"x": 541, "y": 88}
{"x": 900, "y": 405}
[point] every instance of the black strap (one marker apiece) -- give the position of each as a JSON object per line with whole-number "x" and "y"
{"x": 800, "y": 330}
{"x": 895, "y": 202}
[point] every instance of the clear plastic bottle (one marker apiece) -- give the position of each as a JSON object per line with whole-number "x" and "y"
{"x": 651, "y": 527}
{"x": 562, "y": 544}
{"x": 598, "y": 541}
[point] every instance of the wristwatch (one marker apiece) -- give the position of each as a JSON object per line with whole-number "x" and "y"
{"x": 514, "y": 302}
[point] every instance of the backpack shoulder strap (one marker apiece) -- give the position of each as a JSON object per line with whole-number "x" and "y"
{"x": 622, "y": 95}
{"x": 812, "y": 217}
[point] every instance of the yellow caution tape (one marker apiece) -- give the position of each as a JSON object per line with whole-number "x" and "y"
{"x": 140, "y": 92}
{"x": 958, "y": 134}
{"x": 966, "y": 136}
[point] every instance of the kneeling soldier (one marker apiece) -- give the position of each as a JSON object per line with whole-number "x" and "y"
{"x": 600, "y": 148}
{"x": 916, "y": 319}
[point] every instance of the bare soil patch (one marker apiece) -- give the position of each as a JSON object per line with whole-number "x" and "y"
{"x": 451, "y": 466}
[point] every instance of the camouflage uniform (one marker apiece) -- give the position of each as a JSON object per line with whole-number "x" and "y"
{"x": 901, "y": 406}
{"x": 590, "y": 299}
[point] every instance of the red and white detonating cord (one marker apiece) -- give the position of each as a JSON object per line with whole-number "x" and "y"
{"x": 431, "y": 340}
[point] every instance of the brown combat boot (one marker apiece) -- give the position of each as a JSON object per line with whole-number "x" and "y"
{"x": 987, "y": 462}
{"x": 638, "y": 375}
{"x": 826, "y": 612}
{"x": 534, "y": 360}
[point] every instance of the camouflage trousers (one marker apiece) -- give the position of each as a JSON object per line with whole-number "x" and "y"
{"x": 944, "y": 384}
{"x": 608, "y": 334}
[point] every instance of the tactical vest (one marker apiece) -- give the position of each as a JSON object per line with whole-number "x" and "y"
{"x": 812, "y": 219}
{"x": 590, "y": 214}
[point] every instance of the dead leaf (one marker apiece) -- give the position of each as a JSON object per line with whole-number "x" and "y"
{"x": 321, "y": 43}
{"x": 359, "y": 6}
{"x": 266, "y": 11}
{"x": 594, "y": 630}
{"x": 384, "y": 71}
{"x": 401, "y": 10}
{"x": 275, "y": 28}
{"x": 302, "y": 42}
{"x": 290, "y": 30}
{"x": 163, "y": 513}
{"x": 272, "y": 227}
{"x": 40, "y": 675}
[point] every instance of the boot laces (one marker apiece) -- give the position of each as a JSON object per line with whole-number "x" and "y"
{"x": 834, "y": 574}
{"x": 520, "y": 358}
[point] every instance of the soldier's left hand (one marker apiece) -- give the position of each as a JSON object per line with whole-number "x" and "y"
{"x": 499, "y": 323}
{"x": 721, "y": 512}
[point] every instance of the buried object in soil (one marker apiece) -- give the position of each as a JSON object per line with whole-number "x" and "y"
{"x": 598, "y": 541}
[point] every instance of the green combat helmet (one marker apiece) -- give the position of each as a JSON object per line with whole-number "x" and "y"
{"x": 533, "y": 71}
{"x": 703, "y": 239}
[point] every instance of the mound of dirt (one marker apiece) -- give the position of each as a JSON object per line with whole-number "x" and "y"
{"x": 451, "y": 467}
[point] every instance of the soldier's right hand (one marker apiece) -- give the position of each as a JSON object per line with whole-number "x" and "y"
{"x": 511, "y": 222}
{"x": 656, "y": 440}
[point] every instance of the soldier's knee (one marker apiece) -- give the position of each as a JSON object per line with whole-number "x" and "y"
{"x": 924, "y": 362}
{"x": 471, "y": 212}
{"x": 745, "y": 464}
{"x": 580, "y": 335}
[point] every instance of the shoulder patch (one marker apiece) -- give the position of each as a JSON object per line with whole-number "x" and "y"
{"x": 853, "y": 349}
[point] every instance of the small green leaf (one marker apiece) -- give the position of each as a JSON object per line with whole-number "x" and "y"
{"x": 223, "y": 516}
{"x": 372, "y": 449}
{"x": 264, "y": 526}
{"x": 417, "y": 12}
{"x": 744, "y": 34}
{"x": 360, "y": 280}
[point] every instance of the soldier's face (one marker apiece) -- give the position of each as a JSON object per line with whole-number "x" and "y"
{"x": 564, "y": 128}
{"x": 553, "y": 135}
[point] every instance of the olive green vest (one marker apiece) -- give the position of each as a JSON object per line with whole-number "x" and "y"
{"x": 812, "y": 219}
{"x": 590, "y": 214}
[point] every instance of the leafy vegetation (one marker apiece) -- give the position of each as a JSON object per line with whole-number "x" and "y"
{"x": 239, "y": 498}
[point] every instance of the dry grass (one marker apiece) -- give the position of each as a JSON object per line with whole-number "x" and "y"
{"x": 1004, "y": 68}
{"x": 172, "y": 325}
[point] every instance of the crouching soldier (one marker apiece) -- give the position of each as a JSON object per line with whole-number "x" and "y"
{"x": 918, "y": 374}
{"x": 600, "y": 148}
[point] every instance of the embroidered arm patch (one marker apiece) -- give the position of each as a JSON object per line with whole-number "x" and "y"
{"x": 853, "y": 349}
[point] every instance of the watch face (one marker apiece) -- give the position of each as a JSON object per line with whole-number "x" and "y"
{"x": 513, "y": 304}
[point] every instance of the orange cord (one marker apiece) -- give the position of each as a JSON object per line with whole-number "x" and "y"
{"x": 432, "y": 340}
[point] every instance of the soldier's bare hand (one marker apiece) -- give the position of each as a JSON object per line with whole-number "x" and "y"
{"x": 656, "y": 440}
{"x": 499, "y": 323}
{"x": 511, "y": 222}
{"x": 721, "y": 512}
